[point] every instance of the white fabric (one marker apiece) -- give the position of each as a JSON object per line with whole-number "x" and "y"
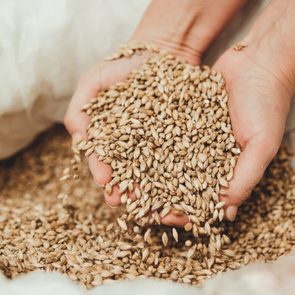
{"x": 272, "y": 279}
{"x": 44, "y": 47}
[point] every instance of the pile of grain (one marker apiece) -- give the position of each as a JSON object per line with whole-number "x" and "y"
{"x": 167, "y": 129}
{"x": 81, "y": 238}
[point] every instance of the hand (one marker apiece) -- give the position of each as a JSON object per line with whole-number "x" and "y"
{"x": 101, "y": 76}
{"x": 260, "y": 90}
{"x": 260, "y": 82}
{"x": 185, "y": 31}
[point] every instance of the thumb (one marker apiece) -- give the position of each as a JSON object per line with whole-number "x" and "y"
{"x": 91, "y": 83}
{"x": 249, "y": 170}
{"x": 88, "y": 86}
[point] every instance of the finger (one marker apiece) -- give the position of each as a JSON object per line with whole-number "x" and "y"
{"x": 101, "y": 172}
{"x": 132, "y": 195}
{"x": 170, "y": 219}
{"x": 250, "y": 168}
{"x": 89, "y": 85}
{"x": 113, "y": 199}
{"x": 175, "y": 219}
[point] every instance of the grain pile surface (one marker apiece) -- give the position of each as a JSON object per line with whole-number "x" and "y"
{"x": 166, "y": 128}
{"x": 79, "y": 236}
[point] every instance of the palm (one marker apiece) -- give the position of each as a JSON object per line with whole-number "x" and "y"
{"x": 99, "y": 77}
{"x": 258, "y": 113}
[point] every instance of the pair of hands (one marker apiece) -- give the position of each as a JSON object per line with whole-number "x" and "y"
{"x": 260, "y": 90}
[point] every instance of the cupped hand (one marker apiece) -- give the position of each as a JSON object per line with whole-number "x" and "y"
{"x": 260, "y": 92}
{"x": 185, "y": 30}
{"x": 104, "y": 74}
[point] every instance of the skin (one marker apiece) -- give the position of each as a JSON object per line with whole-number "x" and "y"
{"x": 260, "y": 82}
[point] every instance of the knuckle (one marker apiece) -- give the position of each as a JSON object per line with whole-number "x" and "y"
{"x": 268, "y": 144}
{"x": 273, "y": 149}
{"x": 245, "y": 193}
{"x": 268, "y": 147}
{"x": 240, "y": 194}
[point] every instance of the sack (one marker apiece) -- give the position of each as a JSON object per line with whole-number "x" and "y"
{"x": 45, "y": 46}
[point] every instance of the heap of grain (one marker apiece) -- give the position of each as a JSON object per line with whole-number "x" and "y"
{"x": 80, "y": 237}
{"x": 167, "y": 129}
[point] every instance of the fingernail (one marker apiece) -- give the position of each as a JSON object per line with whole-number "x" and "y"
{"x": 231, "y": 212}
{"x": 76, "y": 138}
{"x": 111, "y": 206}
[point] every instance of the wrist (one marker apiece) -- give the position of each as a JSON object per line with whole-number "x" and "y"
{"x": 170, "y": 25}
{"x": 174, "y": 45}
{"x": 185, "y": 29}
{"x": 271, "y": 40}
